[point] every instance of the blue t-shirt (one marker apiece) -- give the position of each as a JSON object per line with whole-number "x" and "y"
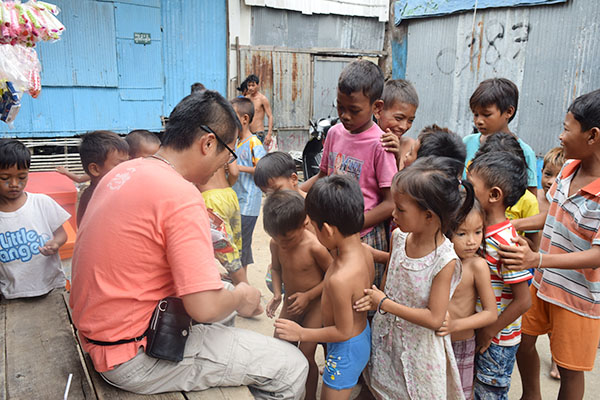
{"x": 249, "y": 195}
{"x": 472, "y": 142}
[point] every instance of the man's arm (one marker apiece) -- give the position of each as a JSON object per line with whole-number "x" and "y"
{"x": 267, "y": 107}
{"x": 214, "y": 305}
{"x": 381, "y": 211}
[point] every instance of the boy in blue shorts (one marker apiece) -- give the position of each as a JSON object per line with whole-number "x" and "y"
{"x": 335, "y": 207}
{"x": 353, "y": 147}
{"x": 31, "y": 230}
{"x": 564, "y": 293}
{"x": 494, "y": 105}
{"x": 249, "y": 150}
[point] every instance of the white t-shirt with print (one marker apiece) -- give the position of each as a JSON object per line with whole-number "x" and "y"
{"x": 24, "y": 271}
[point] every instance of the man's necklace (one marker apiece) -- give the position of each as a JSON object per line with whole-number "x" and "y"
{"x": 163, "y": 160}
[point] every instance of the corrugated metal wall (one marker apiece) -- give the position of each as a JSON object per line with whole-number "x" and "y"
{"x": 552, "y": 53}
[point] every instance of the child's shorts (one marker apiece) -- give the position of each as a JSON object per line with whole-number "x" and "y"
{"x": 574, "y": 338}
{"x": 464, "y": 352}
{"x": 248, "y": 223}
{"x": 346, "y": 360}
{"x": 493, "y": 370}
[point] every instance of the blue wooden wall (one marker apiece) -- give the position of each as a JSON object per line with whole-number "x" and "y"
{"x": 96, "y": 77}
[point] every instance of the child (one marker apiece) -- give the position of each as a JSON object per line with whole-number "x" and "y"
{"x": 335, "y": 206}
{"x": 249, "y": 151}
{"x": 261, "y": 107}
{"x": 142, "y": 143}
{"x": 298, "y": 261}
{"x": 474, "y": 289}
{"x": 436, "y": 141}
{"x": 31, "y": 229}
{"x": 409, "y": 360}
{"x": 494, "y": 105}
{"x": 100, "y": 151}
{"x": 527, "y": 205}
{"x": 499, "y": 180}
{"x": 276, "y": 171}
{"x": 400, "y": 103}
{"x": 564, "y": 295}
{"x": 222, "y": 200}
{"x": 354, "y": 148}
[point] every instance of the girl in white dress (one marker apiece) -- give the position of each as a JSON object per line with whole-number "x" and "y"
{"x": 408, "y": 359}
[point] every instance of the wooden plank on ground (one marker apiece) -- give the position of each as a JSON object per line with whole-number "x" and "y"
{"x": 41, "y": 352}
{"x": 223, "y": 393}
{"x": 2, "y": 351}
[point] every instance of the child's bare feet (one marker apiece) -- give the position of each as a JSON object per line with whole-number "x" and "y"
{"x": 554, "y": 371}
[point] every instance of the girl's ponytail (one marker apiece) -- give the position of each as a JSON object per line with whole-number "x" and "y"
{"x": 467, "y": 205}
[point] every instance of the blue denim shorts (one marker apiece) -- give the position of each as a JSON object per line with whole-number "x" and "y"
{"x": 493, "y": 370}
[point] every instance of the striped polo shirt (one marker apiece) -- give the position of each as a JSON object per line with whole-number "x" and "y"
{"x": 502, "y": 278}
{"x": 572, "y": 225}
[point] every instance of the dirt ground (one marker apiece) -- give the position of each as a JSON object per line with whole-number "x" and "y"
{"x": 263, "y": 324}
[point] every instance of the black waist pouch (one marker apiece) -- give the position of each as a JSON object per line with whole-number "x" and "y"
{"x": 168, "y": 331}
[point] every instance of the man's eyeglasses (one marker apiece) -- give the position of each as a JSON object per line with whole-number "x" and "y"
{"x": 233, "y": 155}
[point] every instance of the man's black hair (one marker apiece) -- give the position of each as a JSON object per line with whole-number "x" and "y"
{"x": 586, "y": 110}
{"x": 283, "y": 212}
{"x": 208, "y": 108}
{"x": 243, "y": 86}
{"x": 362, "y": 76}
{"x": 501, "y": 92}
{"x": 442, "y": 142}
{"x": 252, "y": 78}
{"x": 96, "y": 146}
{"x": 338, "y": 201}
{"x": 198, "y": 87}
{"x": 273, "y": 165}
{"x": 244, "y": 105}
{"x": 503, "y": 169}
{"x": 13, "y": 152}
{"x": 136, "y": 137}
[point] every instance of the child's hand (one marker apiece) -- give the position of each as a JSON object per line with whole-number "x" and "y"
{"x": 272, "y": 306}
{"x": 390, "y": 142}
{"x": 370, "y": 301}
{"x": 288, "y": 330}
{"x": 447, "y": 326}
{"x": 483, "y": 339}
{"x": 299, "y": 302}
{"x": 49, "y": 248}
{"x": 61, "y": 170}
{"x": 519, "y": 257}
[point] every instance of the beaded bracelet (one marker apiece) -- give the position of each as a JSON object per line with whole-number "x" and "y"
{"x": 379, "y": 310}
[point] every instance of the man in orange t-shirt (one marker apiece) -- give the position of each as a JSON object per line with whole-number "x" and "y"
{"x": 146, "y": 236}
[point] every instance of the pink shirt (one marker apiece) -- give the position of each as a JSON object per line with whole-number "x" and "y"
{"x": 362, "y": 156}
{"x": 145, "y": 236}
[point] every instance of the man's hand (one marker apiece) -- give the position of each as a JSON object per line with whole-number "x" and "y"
{"x": 272, "y": 306}
{"x": 288, "y": 330}
{"x": 370, "y": 301}
{"x": 49, "y": 248}
{"x": 250, "y": 303}
{"x": 298, "y": 303}
{"x": 519, "y": 257}
{"x": 267, "y": 141}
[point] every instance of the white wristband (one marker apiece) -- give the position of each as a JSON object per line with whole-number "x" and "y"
{"x": 540, "y": 262}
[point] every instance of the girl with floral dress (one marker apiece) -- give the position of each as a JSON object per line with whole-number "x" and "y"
{"x": 408, "y": 360}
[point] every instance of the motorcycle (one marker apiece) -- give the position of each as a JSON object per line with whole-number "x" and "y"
{"x": 313, "y": 150}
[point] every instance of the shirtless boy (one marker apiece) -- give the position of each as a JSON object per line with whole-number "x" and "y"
{"x": 261, "y": 107}
{"x": 335, "y": 207}
{"x": 299, "y": 261}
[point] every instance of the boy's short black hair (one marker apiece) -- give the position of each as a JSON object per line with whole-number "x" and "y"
{"x": 252, "y": 78}
{"x": 505, "y": 170}
{"x": 243, "y": 86}
{"x": 586, "y": 110}
{"x": 362, "y": 76}
{"x": 273, "y": 165}
{"x": 501, "y": 92}
{"x": 95, "y": 147}
{"x": 399, "y": 91}
{"x": 206, "y": 107}
{"x": 244, "y": 105}
{"x": 13, "y": 152}
{"x": 441, "y": 142}
{"x": 198, "y": 87}
{"x": 283, "y": 212}
{"x": 502, "y": 141}
{"x": 338, "y": 201}
{"x": 138, "y": 136}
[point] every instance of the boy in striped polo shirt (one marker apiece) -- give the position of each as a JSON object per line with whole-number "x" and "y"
{"x": 499, "y": 180}
{"x": 565, "y": 292}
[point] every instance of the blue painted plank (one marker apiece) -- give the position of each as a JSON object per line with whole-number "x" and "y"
{"x": 130, "y": 18}
{"x": 399, "y": 56}
{"x": 404, "y": 9}
{"x": 86, "y": 53}
{"x": 96, "y": 108}
{"x": 140, "y": 115}
{"x": 141, "y": 94}
{"x": 140, "y": 66}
